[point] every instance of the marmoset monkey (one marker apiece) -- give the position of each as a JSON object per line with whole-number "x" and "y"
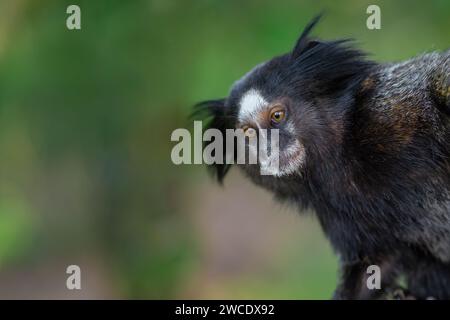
{"x": 367, "y": 147}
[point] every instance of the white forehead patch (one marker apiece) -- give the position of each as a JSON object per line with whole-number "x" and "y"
{"x": 251, "y": 102}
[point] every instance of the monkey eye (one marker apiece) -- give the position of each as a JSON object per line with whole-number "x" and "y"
{"x": 277, "y": 114}
{"x": 249, "y": 131}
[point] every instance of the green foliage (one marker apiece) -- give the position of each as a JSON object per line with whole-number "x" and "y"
{"x": 16, "y": 229}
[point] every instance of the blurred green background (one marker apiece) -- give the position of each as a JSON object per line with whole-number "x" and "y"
{"x": 85, "y": 122}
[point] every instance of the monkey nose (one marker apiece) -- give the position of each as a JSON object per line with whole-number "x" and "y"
{"x": 250, "y": 132}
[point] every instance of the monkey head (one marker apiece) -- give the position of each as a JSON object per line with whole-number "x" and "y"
{"x": 304, "y": 94}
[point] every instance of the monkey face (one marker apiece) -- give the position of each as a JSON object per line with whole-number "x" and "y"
{"x": 278, "y": 96}
{"x": 273, "y": 121}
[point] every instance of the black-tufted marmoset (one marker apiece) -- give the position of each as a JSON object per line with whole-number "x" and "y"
{"x": 366, "y": 146}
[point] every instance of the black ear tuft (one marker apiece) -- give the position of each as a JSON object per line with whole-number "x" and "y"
{"x": 213, "y": 112}
{"x": 304, "y": 43}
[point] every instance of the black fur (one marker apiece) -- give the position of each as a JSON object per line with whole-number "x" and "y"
{"x": 214, "y": 112}
{"x": 377, "y": 169}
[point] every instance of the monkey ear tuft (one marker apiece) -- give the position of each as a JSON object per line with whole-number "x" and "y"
{"x": 305, "y": 43}
{"x": 213, "y": 113}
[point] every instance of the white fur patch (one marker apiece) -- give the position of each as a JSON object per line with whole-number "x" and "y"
{"x": 296, "y": 155}
{"x": 251, "y": 103}
{"x": 293, "y": 159}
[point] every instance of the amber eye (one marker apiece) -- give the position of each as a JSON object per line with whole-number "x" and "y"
{"x": 249, "y": 131}
{"x": 277, "y": 114}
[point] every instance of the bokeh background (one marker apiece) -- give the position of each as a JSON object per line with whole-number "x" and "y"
{"x": 85, "y": 123}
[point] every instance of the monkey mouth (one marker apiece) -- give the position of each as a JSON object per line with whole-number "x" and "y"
{"x": 286, "y": 162}
{"x": 293, "y": 159}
